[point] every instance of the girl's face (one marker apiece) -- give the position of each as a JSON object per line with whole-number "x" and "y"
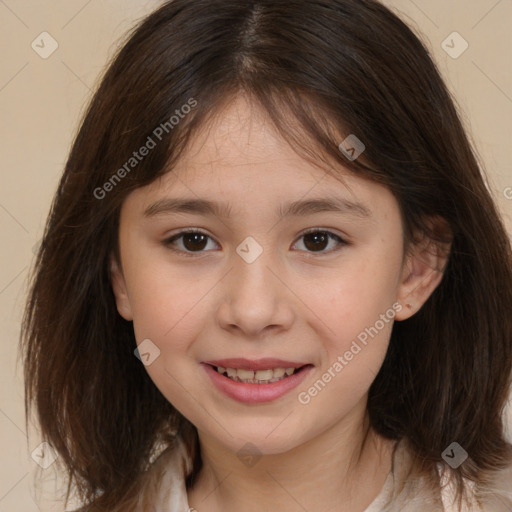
{"x": 289, "y": 268}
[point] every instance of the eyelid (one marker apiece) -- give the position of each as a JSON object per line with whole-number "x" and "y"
{"x": 321, "y": 230}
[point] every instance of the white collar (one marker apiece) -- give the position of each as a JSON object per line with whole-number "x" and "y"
{"x": 166, "y": 486}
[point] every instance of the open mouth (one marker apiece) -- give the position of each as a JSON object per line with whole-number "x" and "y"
{"x": 257, "y": 380}
{"x": 257, "y": 376}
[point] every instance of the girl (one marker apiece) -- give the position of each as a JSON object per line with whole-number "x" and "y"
{"x": 272, "y": 277}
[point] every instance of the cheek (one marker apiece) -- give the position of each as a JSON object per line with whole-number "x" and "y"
{"x": 169, "y": 307}
{"x": 168, "y": 311}
{"x": 159, "y": 293}
{"x": 354, "y": 300}
{"x": 358, "y": 314}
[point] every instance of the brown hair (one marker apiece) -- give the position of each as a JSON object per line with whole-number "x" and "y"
{"x": 348, "y": 64}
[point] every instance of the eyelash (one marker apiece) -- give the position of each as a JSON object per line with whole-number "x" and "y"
{"x": 169, "y": 241}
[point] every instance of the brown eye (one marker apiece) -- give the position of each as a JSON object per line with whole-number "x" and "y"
{"x": 316, "y": 241}
{"x": 188, "y": 242}
{"x": 194, "y": 241}
{"x": 320, "y": 241}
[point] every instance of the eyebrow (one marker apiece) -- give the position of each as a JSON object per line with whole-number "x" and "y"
{"x": 296, "y": 208}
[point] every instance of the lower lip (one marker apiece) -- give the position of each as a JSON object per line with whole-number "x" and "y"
{"x": 256, "y": 393}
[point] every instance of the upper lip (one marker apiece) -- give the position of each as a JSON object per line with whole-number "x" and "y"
{"x": 266, "y": 363}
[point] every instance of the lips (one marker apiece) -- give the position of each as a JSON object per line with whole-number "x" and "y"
{"x": 256, "y": 381}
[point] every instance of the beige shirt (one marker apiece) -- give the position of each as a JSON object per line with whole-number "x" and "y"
{"x": 167, "y": 487}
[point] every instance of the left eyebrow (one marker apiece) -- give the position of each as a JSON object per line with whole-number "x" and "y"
{"x": 320, "y": 205}
{"x": 296, "y": 208}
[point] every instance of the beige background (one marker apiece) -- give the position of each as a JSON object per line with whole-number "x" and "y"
{"x": 41, "y": 102}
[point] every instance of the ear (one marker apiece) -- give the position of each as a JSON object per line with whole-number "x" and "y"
{"x": 119, "y": 287}
{"x": 423, "y": 267}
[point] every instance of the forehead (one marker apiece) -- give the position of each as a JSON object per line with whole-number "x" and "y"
{"x": 240, "y": 144}
{"x": 240, "y": 157}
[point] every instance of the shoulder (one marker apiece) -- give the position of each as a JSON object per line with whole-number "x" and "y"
{"x": 495, "y": 495}
{"x": 163, "y": 483}
{"x": 416, "y": 493}
{"x": 164, "y": 486}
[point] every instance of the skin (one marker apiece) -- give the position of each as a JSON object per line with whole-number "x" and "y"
{"x": 293, "y": 302}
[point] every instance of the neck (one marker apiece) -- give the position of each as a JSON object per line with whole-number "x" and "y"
{"x": 342, "y": 469}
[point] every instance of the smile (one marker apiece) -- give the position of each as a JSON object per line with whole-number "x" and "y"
{"x": 256, "y": 377}
{"x": 259, "y": 381}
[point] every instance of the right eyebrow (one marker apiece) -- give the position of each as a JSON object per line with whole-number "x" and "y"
{"x": 195, "y": 206}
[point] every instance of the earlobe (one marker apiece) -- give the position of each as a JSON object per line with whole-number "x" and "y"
{"x": 422, "y": 272}
{"x": 120, "y": 292}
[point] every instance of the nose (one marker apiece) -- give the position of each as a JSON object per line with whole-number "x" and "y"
{"x": 256, "y": 299}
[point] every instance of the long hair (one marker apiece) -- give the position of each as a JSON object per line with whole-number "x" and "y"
{"x": 319, "y": 68}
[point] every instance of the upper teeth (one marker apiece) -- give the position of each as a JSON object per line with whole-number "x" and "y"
{"x": 259, "y": 376}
